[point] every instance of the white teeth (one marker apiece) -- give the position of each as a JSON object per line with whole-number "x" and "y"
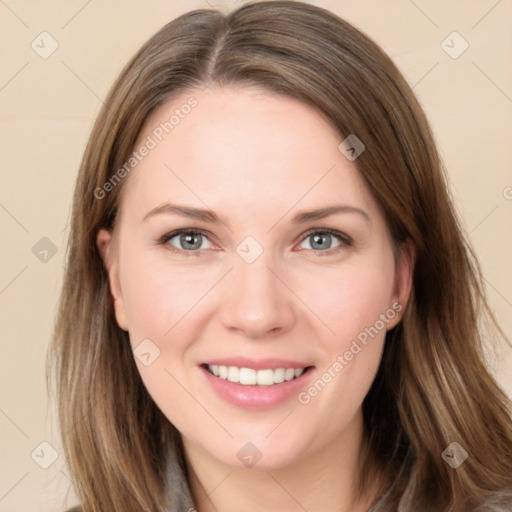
{"x": 265, "y": 377}
{"x": 279, "y": 375}
{"x": 250, "y": 377}
{"x": 247, "y": 376}
{"x": 289, "y": 373}
{"x": 233, "y": 372}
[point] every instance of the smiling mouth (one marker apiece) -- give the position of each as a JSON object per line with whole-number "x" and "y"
{"x": 252, "y": 377}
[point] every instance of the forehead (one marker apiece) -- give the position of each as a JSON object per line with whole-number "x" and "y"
{"x": 235, "y": 147}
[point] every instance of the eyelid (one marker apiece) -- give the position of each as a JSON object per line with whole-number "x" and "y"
{"x": 342, "y": 236}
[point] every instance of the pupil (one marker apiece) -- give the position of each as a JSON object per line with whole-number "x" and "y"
{"x": 317, "y": 239}
{"x": 188, "y": 241}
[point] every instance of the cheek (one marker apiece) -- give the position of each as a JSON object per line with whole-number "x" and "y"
{"x": 352, "y": 298}
{"x": 158, "y": 299}
{"x": 158, "y": 294}
{"x": 364, "y": 298}
{"x": 355, "y": 304}
{"x": 364, "y": 308}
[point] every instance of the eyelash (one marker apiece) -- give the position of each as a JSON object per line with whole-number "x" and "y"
{"x": 345, "y": 241}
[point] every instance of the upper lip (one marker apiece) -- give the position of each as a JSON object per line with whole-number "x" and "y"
{"x": 257, "y": 364}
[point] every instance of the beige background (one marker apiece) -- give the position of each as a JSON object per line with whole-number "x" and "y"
{"x": 47, "y": 109}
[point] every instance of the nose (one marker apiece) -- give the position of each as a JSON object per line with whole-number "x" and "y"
{"x": 256, "y": 301}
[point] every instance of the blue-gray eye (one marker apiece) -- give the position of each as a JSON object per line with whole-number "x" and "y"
{"x": 187, "y": 240}
{"x": 322, "y": 240}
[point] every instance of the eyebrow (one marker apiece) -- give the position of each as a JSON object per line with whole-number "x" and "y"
{"x": 211, "y": 217}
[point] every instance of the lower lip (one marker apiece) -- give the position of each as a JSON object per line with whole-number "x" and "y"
{"x": 257, "y": 397}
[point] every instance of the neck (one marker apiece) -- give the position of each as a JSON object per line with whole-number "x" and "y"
{"x": 325, "y": 480}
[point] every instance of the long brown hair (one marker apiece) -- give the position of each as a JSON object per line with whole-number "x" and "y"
{"x": 432, "y": 387}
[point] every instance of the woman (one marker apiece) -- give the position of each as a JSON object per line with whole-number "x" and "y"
{"x": 269, "y": 303}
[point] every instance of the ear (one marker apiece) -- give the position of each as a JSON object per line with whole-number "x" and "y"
{"x": 105, "y": 243}
{"x": 404, "y": 270}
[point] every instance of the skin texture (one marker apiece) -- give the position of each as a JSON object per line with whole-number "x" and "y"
{"x": 256, "y": 159}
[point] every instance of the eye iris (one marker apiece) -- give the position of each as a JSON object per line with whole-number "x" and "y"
{"x": 187, "y": 240}
{"x": 318, "y": 238}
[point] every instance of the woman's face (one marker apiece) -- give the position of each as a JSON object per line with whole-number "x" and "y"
{"x": 284, "y": 267}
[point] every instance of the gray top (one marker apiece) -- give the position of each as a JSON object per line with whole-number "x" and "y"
{"x": 177, "y": 494}
{"x": 179, "y": 499}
